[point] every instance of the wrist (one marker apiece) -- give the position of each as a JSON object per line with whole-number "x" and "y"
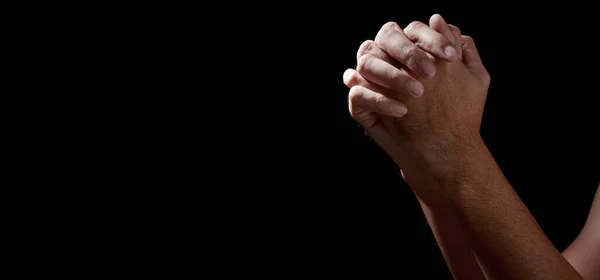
{"x": 429, "y": 171}
{"x": 456, "y": 160}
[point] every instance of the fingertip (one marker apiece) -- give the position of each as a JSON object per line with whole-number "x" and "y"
{"x": 348, "y": 74}
{"x": 451, "y": 53}
{"x": 415, "y": 88}
{"x": 435, "y": 18}
{"x": 427, "y": 68}
{"x": 399, "y": 110}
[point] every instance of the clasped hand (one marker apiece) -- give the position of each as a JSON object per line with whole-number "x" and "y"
{"x": 419, "y": 92}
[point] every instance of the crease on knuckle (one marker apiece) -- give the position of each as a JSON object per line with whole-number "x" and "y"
{"x": 384, "y": 34}
{"x": 365, "y": 47}
{"x": 457, "y": 29}
{"x": 389, "y": 24}
{"x": 467, "y": 41}
{"x": 413, "y": 27}
{"x": 411, "y": 55}
{"x": 411, "y": 51}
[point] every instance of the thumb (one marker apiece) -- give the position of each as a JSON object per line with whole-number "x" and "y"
{"x": 437, "y": 23}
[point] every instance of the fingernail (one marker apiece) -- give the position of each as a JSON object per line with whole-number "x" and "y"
{"x": 400, "y": 110}
{"x": 415, "y": 88}
{"x": 427, "y": 68}
{"x": 450, "y": 52}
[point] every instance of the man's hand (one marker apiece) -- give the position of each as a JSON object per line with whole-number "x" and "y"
{"x": 374, "y": 93}
{"x": 394, "y": 81}
{"x": 445, "y": 120}
{"x": 444, "y": 160}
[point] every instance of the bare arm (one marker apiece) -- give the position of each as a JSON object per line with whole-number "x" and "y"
{"x": 584, "y": 252}
{"x": 436, "y": 142}
{"x": 505, "y": 238}
{"x": 452, "y": 241}
{"x": 444, "y": 225}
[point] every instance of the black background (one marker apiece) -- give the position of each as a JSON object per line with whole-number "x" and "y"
{"x": 220, "y": 138}
{"x": 331, "y": 200}
{"x": 293, "y": 186}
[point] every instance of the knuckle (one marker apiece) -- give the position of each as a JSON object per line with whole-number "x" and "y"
{"x": 364, "y": 63}
{"x": 454, "y": 28}
{"x": 389, "y": 24}
{"x": 385, "y": 33}
{"x": 365, "y": 47}
{"x": 411, "y": 55}
{"x": 411, "y": 52}
{"x": 457, "y": 30}
{"x": 413, "y": 27}
{"x": 468, "y": 39}
{"x": 355, "y": 94}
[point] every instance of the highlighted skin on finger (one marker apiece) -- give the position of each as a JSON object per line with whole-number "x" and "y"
{"x": 353, "y": 78}
{"x": 431, "y": 41}
{"x": 395, "y": 43}
{"x": 376, "y": 102}
{"x": 349, "y": 78}
{"x": 386, "y": 75}
{"x": 439, "y": 25}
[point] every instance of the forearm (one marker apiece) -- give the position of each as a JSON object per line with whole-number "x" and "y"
{"x": 451, "y": 240}
{"x": 442, "y": 219}
{"x": 504, "y": 236}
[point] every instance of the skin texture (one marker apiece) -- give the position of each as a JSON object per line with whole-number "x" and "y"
{"x": 444, "y": 224}
{"x": 434, "y": 138}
